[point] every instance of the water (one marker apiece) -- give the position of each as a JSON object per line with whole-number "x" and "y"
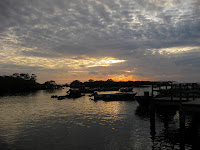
{"x": 35, "y": 121}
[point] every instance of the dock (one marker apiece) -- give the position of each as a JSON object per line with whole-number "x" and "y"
{"x": 193, "y": 106}
{"x": 177, "y": 94}
{"x": 183, "y": 97}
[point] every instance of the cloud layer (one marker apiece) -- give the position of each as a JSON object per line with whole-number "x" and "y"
{"x": 151, "y": 39}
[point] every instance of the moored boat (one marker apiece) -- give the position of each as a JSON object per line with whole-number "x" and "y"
{"x": 72, "y": 93}
{"x": 115, "y": 96}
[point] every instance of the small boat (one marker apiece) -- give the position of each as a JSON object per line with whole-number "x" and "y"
{"x": 115, "y": 96}
{"x": 72, "y": 93}
{"x": 126, "y": 89}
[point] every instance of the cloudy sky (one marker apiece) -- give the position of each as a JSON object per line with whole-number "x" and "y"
{"x": 66, "y": 40}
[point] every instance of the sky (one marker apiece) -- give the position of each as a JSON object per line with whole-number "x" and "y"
{"x": 123, "y": 40}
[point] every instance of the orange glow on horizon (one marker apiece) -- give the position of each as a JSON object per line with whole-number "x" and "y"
{"x": 116, "y": 78}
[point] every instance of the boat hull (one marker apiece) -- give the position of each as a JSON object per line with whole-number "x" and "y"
{"x": 116, "y": 96}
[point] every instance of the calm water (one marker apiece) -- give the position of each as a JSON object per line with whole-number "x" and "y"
{"x": 35, "y": 121}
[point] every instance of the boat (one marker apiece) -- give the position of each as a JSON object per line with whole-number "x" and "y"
{"x": 72, "y": 93}
{"x": 115, "y": 96}
{"x": 126, "y": 89}
{"x": 108, "y": 89}
{"x": 83, "y": 89}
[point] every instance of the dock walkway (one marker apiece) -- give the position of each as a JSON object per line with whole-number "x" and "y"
{"x": 167, "y": 101}
{"x": 193, "y": 105}
{"x": 187, "y": 95}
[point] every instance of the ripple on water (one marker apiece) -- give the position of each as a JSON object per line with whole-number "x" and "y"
{"x": 36, "y": 121}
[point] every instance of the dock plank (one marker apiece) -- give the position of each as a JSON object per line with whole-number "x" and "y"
{"x": 193, "y": 106}
{"x": 193, "y": 102}
{"x": 169, "y": 99}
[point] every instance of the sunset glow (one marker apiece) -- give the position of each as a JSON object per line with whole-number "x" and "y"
{"x": 123, "y": 77}
{"x": 56, "y": 63}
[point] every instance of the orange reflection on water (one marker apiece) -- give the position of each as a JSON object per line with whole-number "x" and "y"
{"x": 111, "y": 111}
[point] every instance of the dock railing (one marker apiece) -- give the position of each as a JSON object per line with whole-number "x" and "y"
{"x": 182, "y": 91}
{"x": 178, "y": 95}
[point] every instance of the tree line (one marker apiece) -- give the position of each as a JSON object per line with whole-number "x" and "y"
{"x": 110, "y": 83}
{"x": 19, "y": 82}
{"x": 22, "y": 82}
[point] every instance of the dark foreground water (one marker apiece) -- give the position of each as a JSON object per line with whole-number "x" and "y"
{"x": 35, "y": 121}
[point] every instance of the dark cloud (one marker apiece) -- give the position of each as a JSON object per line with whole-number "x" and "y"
{"x": 112, "y": 28}
{"x": 38, "y": 54}
{"x": 189, "y": 59}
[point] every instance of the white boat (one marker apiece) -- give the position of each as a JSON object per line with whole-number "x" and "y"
{"x": 115, "y": 96}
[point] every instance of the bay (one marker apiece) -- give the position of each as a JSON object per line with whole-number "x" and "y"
{"x": 35, "y": 121}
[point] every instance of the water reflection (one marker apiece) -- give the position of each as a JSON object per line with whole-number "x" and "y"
{"x": 142, "y": 112}
{"x": 36, "y": 121}
{"x": 165, "y": 134}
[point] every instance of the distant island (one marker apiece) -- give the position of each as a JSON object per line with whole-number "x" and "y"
{"x": 23, "y": 82}
{"x": 110, "y": 83}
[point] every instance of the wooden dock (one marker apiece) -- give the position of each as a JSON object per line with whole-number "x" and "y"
{"x": 185, "y": 104}
{"x": 167, "y": 101}
{"x": 193, "y": 106}
{"x": 185, "y": 97}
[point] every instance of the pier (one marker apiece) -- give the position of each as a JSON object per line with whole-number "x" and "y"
{"x": 184, "y": 98}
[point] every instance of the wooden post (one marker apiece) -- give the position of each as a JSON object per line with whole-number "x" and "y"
{"x": 193, "y": 93}
{"x": 187, "y": 96}
{"x": 152, "y": 118}
{"x": 182, "y": 127}
{"x": 187, "y": 92}
{"x": 175, "y": 90}
{"x": 171, "y": 92}
{"x": 166, "y": 124}
{"x": 181, "y": 119}
{"x": 159, "y": 87}
{"x": 181, "y": 122}
{"x": 152, "y": 90}
{"x": 180, "y": 92}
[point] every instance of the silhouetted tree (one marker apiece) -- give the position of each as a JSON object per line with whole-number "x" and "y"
{"x": 110, "y": 80}
{"x": 25, "y": 76}
{"x": 76, "y": 84}
{"x": 33, "y": 77}
{"x": 50, "y": 84}
{"x": 16, "y": 75}
{"x": 66, "y": 85}
{"x": 91, "y": 80}
{"x": 18, "y": 82}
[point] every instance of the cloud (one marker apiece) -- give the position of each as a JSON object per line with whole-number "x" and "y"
{"x": 49, "y": 31}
